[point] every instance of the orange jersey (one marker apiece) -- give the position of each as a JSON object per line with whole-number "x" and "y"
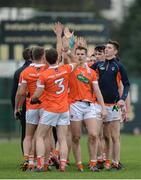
{"x": 30, "y": 76}
{"x": 90, "y": 64}
{"x": 55, "y": 82}
{"x": 81, "y": 84}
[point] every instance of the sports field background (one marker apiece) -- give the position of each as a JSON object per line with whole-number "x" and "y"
{"x": 11, "y": 157}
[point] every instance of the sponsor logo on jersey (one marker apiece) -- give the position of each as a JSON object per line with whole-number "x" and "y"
{"x": 82, "y": 78}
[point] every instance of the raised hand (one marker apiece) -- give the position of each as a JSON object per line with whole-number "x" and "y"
{"x": 67, "y": 33}
{"x": 81, "y": 42}
{"x": 65, "y": 43}
{"x": 90, "y": 51}
{"x": 58, "y": 28}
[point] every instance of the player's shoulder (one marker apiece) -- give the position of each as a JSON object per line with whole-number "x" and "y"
{"x": 65, "y": 65}
{"x": 18, "y": 71}
{"x": 97, "y": 64}
{"x": 22, "y": 68}
{"x": 88, "y": 67}
{"x": 93, "y": 73}
{"x": 45, "y": 72}
{"x": 118, "y": 64}
{"x": 28, "y": 69}
{"x": 40, "y": 67}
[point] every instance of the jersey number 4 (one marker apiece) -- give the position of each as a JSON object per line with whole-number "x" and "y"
{"x": 59, "y": 83}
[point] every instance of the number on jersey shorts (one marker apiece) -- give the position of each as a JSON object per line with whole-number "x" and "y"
{"x": 54, "y": 119}
{"x": 81, "y": 111}
{"x": 33, "y": 116}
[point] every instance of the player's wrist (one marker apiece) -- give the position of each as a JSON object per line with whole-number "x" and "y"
{"x": 19, "y": 108}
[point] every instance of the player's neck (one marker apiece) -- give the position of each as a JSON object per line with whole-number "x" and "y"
{"x": 39, "y": 62}
{"x": 110, "y": 57}
{"x": 53, "y": 65}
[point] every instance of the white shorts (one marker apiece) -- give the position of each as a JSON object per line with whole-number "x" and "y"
{"x": 112, "y": 115}
{"x": 54, "y": 119}
{"x": 33, "y": 116}
{"x": 98, "y": 110}
{"x": 81, "y": 110}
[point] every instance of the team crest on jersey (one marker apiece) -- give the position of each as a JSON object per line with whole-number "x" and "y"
{"x": 82, "y": 78}
{"x": 102, "y": 68}
{"x": 56, "y": 69}
{"x": 113, "y": 68}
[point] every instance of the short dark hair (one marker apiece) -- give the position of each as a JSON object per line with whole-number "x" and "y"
{"x": 51, "y": 55}
{"x": 99, "y": 48}
{"x": 114, "y": 43}
{"x": 37, "y": 52}
{"x": 31, "y": 56}
{"x": 27, "y": 54}
{"x": 81, "y": 48}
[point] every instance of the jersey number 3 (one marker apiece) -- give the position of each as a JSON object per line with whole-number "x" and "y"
{"x": 59, "y": 83}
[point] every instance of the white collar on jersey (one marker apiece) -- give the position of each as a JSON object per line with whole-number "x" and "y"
{"x": 39, "y": 65}
{"x": 32, "y": 64}
{"x": 55, "y": 66}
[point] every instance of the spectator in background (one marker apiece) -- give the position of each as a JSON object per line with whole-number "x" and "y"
{"x": 27, "y": 57}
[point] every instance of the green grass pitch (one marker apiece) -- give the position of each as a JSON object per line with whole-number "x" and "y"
{"x": 11, "y": 157}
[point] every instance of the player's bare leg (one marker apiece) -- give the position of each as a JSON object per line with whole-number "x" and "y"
{"x": 92, "y": 127}
{"x": 76, "y": 134}
{"x": 115, "y": 135}
{"x": 63, "y": 148}
{"x": 108, "y": 145}
{"x": 27, "y": 143}
{"x": 42, "y": 134}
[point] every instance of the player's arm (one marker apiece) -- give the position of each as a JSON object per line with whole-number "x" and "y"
{"x": 128, "y": 107}
{"x": 14, "y": 88}
{"x": 126, "y": 86}
{"x": 127, "y": 101}
{"x": 20, "y": 98}
{"x": 71, "y": 56}
{"x": 99, "y": 98}
{"x": 58, "y": 29}
{"x": 38, "y": 92}
{"x": 35, "y": 98}
{"x": 66, "y": 51}
{"x": 95, "y": 66}
{"x": 68, "y": 42}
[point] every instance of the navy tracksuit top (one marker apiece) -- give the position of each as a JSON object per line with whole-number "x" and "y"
{"x": 110, "y": 72}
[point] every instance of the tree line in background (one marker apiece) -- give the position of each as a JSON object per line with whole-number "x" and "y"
{"x": 128, "y": 33}
{"x": 129, "y": 36}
